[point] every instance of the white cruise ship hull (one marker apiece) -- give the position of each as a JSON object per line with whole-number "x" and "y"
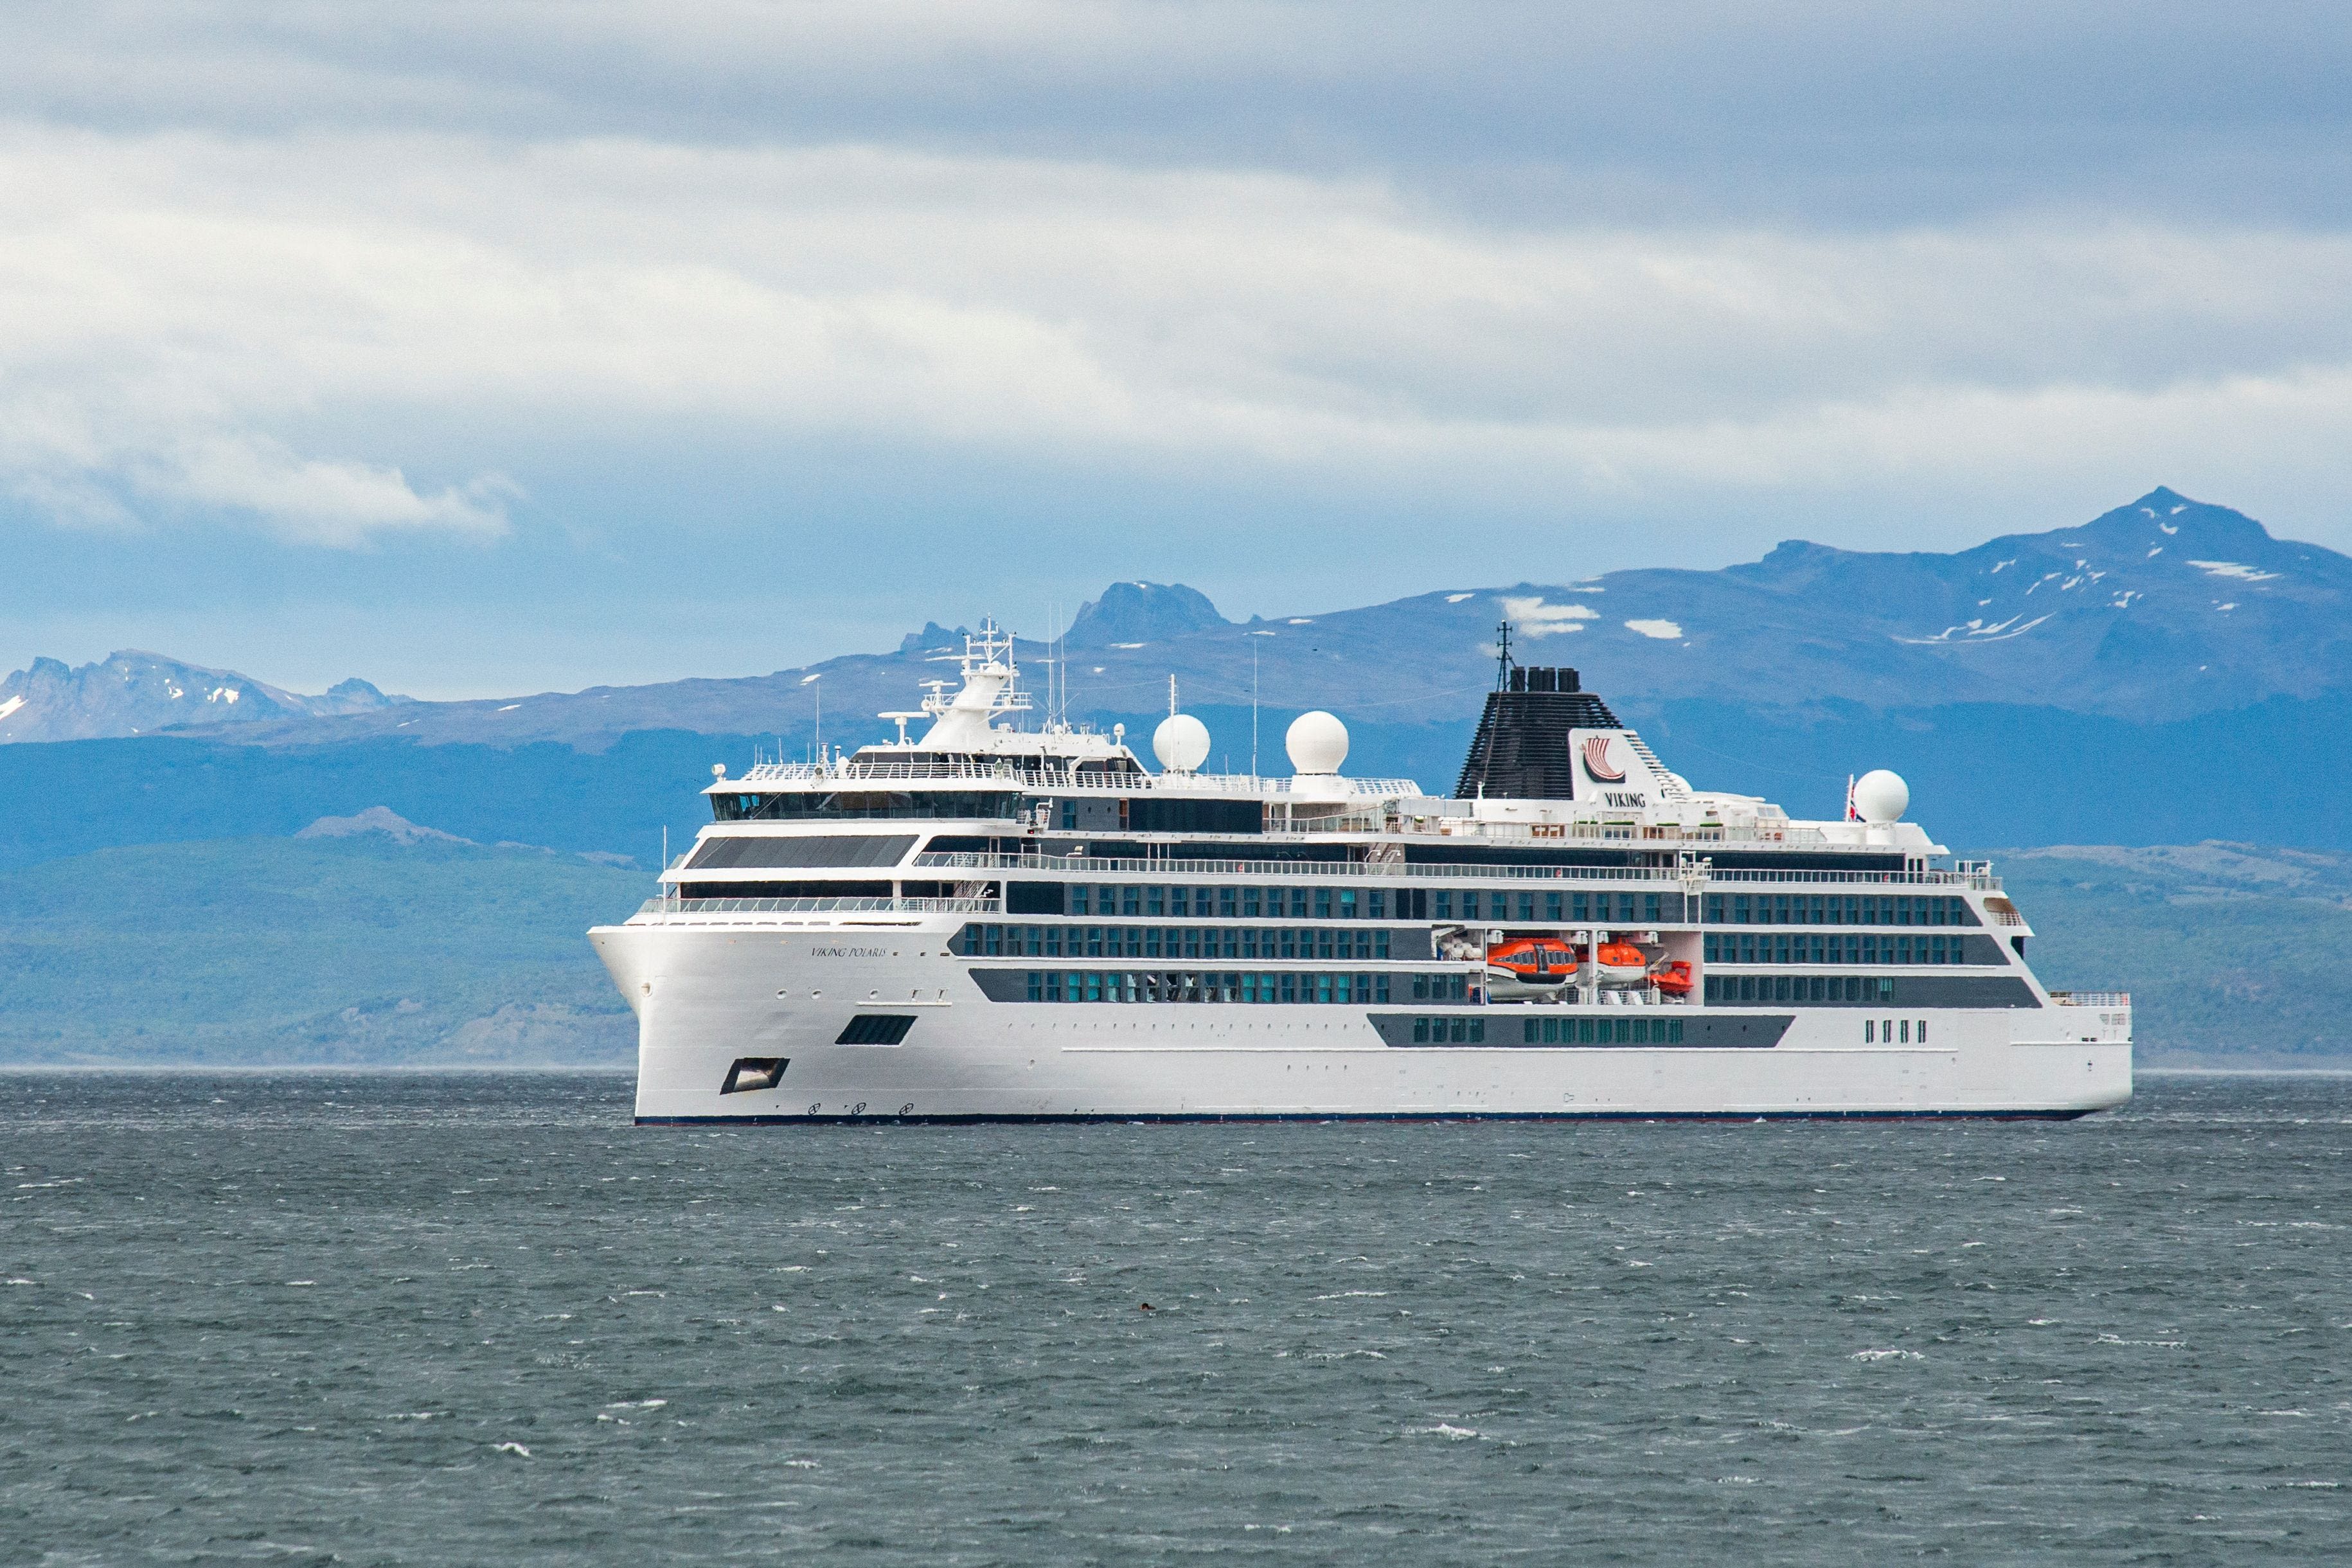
{"x": 992, "y": 924}
{"x": 711, "y": 995}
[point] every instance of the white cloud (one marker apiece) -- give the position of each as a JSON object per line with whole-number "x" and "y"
{"x": 1664, "y": 631}
{"x": 289, "y": 329}
{"x": 1534, "y": 619}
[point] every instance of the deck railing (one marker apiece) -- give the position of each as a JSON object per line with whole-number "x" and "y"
{"x": 2091, "y": 998}
{"x": 693, "y": 907}
{"x": 1403, "y": 870}
{"x": 1058, "y": 774}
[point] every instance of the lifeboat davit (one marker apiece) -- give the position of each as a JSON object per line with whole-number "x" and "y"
{"x": 1619, "y": 965}
{"x": 1530, "y": 966}
{"x": 1672, "y": 979}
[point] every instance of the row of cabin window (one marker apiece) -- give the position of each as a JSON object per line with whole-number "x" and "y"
{"x": 1634, "y": 1031}
{"x": 1798, "y": 987}
{"x": 1302, "y": 902}
{"x": 1292, "y": 986}
{"x": 869, "y": 801}
{"x": 1835, "y": 910}
{"x": 1554, "y": 906}
{"x": 1230, "y": 903}
{"x": 1883, "y": 1031}
{"x": 1801, "y": 947}
{"x": 1458, "y": 1030}
{"x": 1338, "y": 942}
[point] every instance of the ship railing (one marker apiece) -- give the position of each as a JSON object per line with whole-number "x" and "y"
{"x": 2111, "y": 999}
{"x": 1057, "y": 773}
{"x": 1399, "y": 814}
{"x": 1022, "y": 774}
{"x": 1283, "y": 789}
{"x": 1295, "y": 870}
{"x": 696, "y": 907}
{"x": 1930, "y": 879}
{"x": 1624, "y": 830}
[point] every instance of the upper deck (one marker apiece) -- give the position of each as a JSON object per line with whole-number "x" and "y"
{"x": 1600, "y": 786}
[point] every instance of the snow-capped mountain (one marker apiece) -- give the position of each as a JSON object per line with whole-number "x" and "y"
{"x": 2155, "y": 612}
{"x": 2160, "y": 609}
{"x": 134, "y": 693}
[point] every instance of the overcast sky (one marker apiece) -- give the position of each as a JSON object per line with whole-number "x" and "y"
{"x": 485, "y": 347}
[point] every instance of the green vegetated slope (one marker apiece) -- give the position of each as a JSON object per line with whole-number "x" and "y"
{"x": 361, "y": 950}
{"x": 2232, "y": 952}
{"x": 369, "y": 951}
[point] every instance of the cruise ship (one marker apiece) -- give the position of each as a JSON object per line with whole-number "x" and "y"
{"x": 997, "y": 920}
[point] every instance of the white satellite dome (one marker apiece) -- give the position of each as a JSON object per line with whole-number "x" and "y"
{"x": 1880, "y": 797}
{"x": 1182, "y": 743}
{"x": 1316, "y": 741}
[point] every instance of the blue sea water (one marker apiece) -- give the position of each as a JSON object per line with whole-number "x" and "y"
{"x": 362, "y": 1319}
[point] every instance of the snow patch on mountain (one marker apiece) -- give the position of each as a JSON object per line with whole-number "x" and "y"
{"x": 1978, "y": 629}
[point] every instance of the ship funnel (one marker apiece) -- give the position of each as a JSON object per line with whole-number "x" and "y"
{"x": 1521, "y": 751}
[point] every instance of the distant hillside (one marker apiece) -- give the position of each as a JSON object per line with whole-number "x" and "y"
{"x": 78, "y": 795}
{"x": 2232, "y": 952}
{"x": 134, "y": 693}
{"x": 367, "y": 949}
{"x": 361, "y": 948}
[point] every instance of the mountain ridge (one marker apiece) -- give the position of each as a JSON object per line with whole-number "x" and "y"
{"x": 133, "y": 693}
{"x": 2158, "y": 609}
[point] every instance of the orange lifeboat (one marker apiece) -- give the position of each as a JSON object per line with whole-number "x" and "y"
{"x": 1621, "y": 964}
{"x": 1674, "y": 979}
{"x": 1530, "y": 966}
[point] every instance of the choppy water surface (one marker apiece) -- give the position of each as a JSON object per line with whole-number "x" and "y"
{"x": 376, "y": 1318}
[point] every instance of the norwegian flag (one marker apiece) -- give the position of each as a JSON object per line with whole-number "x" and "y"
{"x": 1851, "y": 815}
{"x": 1596, "y": 761}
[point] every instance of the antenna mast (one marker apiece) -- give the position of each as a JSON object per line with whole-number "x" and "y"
{"x": 1252, "y": 707}
{"x": 1503, "y": 654}
{"x": 1057, "y": 680}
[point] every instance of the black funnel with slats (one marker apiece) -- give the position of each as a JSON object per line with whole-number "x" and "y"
{"x": 1521, "y": 750}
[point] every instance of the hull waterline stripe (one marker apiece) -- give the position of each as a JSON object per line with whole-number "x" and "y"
{"x": 977, "y": 1119}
